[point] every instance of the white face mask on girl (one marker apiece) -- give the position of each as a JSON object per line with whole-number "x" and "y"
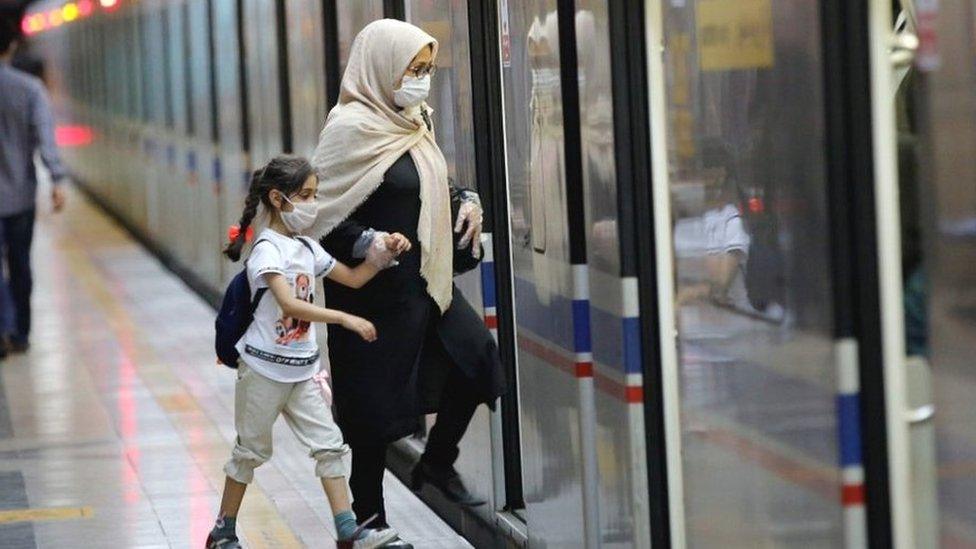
{"x": 413, "y": 91}
{"x": 301, "y": 217}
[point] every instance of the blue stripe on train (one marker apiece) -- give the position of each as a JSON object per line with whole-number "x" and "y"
{"x": 581, "y": 326}
{"x": 488, "y": 295}
{"x": 614, "y": 341}
{"x": 849, "y": 429}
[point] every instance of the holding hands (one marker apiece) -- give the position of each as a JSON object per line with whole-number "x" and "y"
{"x": 385, "y": 248}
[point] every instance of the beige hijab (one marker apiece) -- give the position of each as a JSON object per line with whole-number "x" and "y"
{"x": 366, "y": 133}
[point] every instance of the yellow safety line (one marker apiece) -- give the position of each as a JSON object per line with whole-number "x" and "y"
{"x": 39, "y": 514}
{"x": 259, "y": 520}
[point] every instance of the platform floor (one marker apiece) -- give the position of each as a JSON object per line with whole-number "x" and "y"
{"x": 115, "y": 426}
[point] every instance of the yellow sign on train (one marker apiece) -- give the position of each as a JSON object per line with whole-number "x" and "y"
{"x": 735, "y": 34}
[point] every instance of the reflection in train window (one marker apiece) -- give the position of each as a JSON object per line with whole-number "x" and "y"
{"x": 748, "y": 186}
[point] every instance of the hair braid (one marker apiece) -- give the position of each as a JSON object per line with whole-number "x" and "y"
{"x": 254, "y": 195}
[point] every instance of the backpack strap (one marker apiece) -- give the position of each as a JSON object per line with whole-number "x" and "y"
{"x": 257, "y": 299}
{"x": 259, "y": 293}
{"x": 306, "y": 244}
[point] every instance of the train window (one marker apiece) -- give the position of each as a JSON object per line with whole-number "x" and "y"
{"x": 352, "y": 17}
{"x": 142, "y": 37}
{"x": 134, "y": 79}
{"x": 188, "y": 75}
{"x": 306, "y": 73}
{"x": 450, "y": 94}
{"x": 212, "y": 66}
{"x": 242, "y": 78}
{"x": 166, "y": 68}
{"x": 757, "y": 377}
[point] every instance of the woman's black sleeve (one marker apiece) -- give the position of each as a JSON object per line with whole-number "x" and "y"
{"x": 341, "y": 241}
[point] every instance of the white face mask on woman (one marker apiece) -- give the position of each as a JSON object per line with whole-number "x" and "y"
{"x": 413, "y": 91}
{"x": 301, "y": 217}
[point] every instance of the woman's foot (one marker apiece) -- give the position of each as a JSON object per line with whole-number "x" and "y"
{"x": 447, "y": 480}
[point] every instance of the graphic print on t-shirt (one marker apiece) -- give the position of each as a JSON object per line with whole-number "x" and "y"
{"x": 289, "y": 329}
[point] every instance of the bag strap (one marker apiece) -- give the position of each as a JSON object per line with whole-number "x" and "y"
{"x": 260, "y": 291}
{"x": 257, "y": 299}
{"x": 306, "y": 244}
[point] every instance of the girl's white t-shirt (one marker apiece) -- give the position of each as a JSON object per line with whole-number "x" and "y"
{"x": 724, "y": 231}
{"x": 278, "y": 347}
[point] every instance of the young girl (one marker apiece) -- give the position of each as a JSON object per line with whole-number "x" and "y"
{"x": 279, "y": 354}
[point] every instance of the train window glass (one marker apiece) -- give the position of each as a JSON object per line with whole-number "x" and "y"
{"x": 541, "y": 271}
{"x": 450, "y": 93}
{"x": 353, "y": 16}
{"x": 752, "y": 267}
{"x": 176, "y": 63}
{"x": 142, "y": 37}
{"x": 597, "y": 135}
{"x": 188, "y": 72}
{"x": 166, "y": 68}
{"x": 212, "y": 66}
{"x": 134, "y": 78}
{"x": 306, "y": 68}
{"x": 242, "y": 78}
{"x": 939, "y": 279}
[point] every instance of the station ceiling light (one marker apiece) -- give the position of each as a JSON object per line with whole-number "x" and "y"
{"x": 72, "y": 11}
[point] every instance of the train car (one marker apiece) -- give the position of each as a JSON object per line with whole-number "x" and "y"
{"x": 696, "y": 218}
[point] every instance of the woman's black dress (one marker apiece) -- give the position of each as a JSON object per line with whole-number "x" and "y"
{"x": 381, "y": 387}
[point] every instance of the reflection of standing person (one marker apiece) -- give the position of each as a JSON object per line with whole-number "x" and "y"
{"x": 546, "y": 189}
{"x": 26, "y": 126}
{"x": 382, "y": 170}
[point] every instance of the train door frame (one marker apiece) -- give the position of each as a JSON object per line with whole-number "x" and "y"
{"x": 893, "y": 375}
{"x": 855, "y": 268}
{"x": 489, "y": 149}
{"x": 640, "y": 141}
{"x": 860, "y": 218}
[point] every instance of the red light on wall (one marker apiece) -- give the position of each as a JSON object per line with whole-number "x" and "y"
{"x": 756, "y": 205}
{"x": 85, "y": 7}
{"x": 73, "y": 136}
{"x": 25, "y": 26}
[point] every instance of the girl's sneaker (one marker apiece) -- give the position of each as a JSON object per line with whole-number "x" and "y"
{"x": 223, "y": 542}
{"x": 374, "y": 538}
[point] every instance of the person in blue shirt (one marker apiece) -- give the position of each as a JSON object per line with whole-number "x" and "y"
{"x": 26, "y": 128}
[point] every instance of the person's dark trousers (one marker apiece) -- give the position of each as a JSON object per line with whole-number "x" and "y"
{"x": 6, "y": 303}
{"x": 18, "y": 231}
{"x": 456, "y": 410}
{"x": 369, "y": 461}
{"x": 366, "y": 482}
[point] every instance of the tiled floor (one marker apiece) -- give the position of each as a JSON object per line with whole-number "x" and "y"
{"x": 115, "y": 426}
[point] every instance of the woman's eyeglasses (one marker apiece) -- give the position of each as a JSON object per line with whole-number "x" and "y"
{"x": 421, "y": 71}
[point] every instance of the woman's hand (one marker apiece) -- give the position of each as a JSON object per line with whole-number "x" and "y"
{"x": 471, "y": 213}
{"x": 397, "y": 243}
{"x": 379, "y": 254}
{"x": 361, "y": 326}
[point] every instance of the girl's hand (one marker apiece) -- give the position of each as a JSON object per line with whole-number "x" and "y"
{"x": 397, "y": 243}
{"x": 361, "y": 326}
{"x": 379, "y": 254}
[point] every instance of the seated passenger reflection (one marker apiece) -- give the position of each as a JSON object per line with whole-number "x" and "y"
{"x": 723, "y": 240}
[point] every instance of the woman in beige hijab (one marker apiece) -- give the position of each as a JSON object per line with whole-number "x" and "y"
{"x": 381, "y": 171}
